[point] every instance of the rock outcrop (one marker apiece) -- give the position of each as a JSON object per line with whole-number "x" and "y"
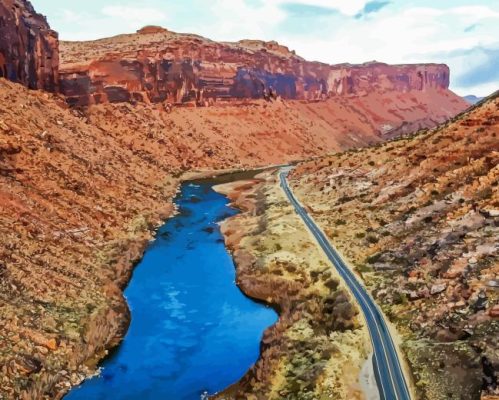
{"x": 29, "y": 49}
{"x": 156, "y": 65}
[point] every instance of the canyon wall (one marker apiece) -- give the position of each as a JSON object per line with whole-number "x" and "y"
{"x": 156, "y": 65}
{"x": 29, "y": 49}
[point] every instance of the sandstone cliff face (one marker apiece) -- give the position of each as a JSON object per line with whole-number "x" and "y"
{"x": 29, "y": 49}
{"x": 156, "y": 65}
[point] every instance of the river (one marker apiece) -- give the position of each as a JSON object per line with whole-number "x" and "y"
{"x": 192, "y": 330}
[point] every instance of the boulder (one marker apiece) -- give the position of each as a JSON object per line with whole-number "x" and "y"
{"x": 494, "y": 311}
{"x": 438, "y": 288}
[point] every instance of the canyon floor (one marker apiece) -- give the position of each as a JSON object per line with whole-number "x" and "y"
{"x": 82, "y": 192}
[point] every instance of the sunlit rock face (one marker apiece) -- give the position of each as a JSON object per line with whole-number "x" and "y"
{"x": 29, "y": 49}
{"x": 156, "y": 65}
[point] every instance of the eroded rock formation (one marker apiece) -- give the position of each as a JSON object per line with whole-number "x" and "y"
{"x": 156, "y": 65}
{"x": 29, "y": 49}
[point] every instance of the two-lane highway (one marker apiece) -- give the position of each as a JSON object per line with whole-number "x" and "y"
{"x": 387, "y": 366}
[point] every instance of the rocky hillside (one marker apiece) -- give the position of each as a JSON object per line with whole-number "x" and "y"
{"x": 156, "y": 65}
{"x": 29, "y": 49}
{"x": 418, "y": 220}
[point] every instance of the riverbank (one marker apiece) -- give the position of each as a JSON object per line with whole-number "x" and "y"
{"x": 319, "y": 345}
{"x": 108, "y": 330}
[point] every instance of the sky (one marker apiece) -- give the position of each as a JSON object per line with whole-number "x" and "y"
{"x": 461, "y": 33}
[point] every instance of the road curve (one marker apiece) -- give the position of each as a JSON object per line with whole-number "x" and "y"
{"x": 387, "y": 367}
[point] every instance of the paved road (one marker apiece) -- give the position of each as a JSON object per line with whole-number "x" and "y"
{"x": 387, "y": 367}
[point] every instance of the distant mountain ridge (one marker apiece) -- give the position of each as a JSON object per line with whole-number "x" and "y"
{"x": 472, "y": 99}
{"x": 157, "y": 65}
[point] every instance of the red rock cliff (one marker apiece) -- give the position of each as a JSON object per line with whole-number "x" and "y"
{"x": 156, "y": 65}
{"x": 29, "y": 49}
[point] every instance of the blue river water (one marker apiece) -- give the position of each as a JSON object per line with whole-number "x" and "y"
{"x": 192, "y": 331}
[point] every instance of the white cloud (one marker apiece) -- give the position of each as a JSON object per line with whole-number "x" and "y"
{"x": 475, "y": 13}
{"x": 347, "y": 7}
{"x": 71, "y": 17}
{"x": 235, "y": 19}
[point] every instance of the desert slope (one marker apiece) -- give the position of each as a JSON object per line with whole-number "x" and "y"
{"x": 418, "y": 218}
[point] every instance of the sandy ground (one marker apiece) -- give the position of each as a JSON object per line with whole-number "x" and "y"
{"x": 368, "y": 380}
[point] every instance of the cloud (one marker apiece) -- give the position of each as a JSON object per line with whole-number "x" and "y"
{"x": 304, "y": 10}
{"x": 231, "y": 20}
{"x": 372, "y": 7}
{"x": 484, "y": 67}
{"x": 471, "y": 28}
{"x": 475, "y": 13}
{"x": 346, "y": 7}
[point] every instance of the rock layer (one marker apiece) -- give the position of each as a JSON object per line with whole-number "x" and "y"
{"x": 156, "y": 65}
{"x": 29, "y": 49}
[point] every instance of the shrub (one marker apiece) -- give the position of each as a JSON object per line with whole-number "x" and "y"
{"x": 372, "y": 239}
{"x": 374, "y": 258}
{"x": 363, "y": 268}
{"x": 399, "y": 298}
